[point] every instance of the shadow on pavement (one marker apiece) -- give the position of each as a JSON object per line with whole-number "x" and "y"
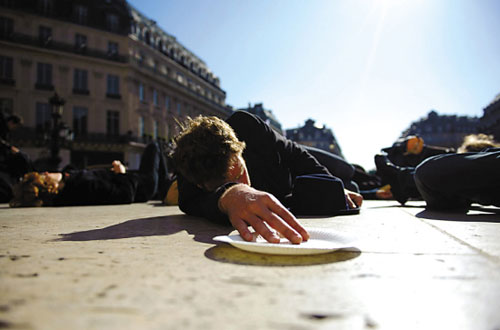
{"x": 202, "y": 230}
{"x": 475, "y": 214}
{"x": 230, "y": 254}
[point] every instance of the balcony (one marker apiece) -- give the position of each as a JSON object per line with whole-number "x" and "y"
{"x": 33, "y": 41}
{"x": 44, "y": 87}
{"x": 113, "y": 96}
{"x": 7, "y": 81}
{"x": 81, "y": 91}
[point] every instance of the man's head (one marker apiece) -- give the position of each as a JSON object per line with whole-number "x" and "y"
{"x": 35, "y": 189}
{"x": 414, "y": 145}
{"x": 208, "y": 153}
{"x": 477, "y": 142}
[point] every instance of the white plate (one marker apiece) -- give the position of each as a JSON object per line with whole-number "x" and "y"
{"x": 320, "y": 241}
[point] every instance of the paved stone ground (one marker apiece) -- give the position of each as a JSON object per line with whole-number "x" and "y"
{"x": 147, "y": 266}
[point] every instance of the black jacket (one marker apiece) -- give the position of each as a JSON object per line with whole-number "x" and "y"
{"x": 273, "y": 163}
{"x": 96, "y": 187}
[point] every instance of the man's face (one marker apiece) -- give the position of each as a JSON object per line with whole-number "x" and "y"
{"x": 53, "y": 178}
{"x": 238, "y": 171}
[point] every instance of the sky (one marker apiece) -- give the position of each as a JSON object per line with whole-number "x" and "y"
{"x": 364, "y": 68}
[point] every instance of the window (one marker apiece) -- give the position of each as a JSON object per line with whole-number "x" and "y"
{"x": 45, "y": 7}
{"x": 42, "y": 117}
{"x": 112, "y": 48}
{"x": 112, "y": 22}
{"x": 6, "y": 106}
{"x": 80, "y": 82}
{"x": 141, "y": 127}
{"x": 44, "y": 76}
{"x": 6, "y": 70}
{"x": 155, "y": 97}
{"x": 6, "y": 27}
{"x": 167, "y": 102}
{"x": 142, "y": 95}
{"x": 155, "y": 130}
{"x": 80, "y": 42}
{"x": 44, "y": 35}
{"x": 81, "y": 14}
{"x": 80, "y": 115}
{"x": 113, "y": 123}
{"x": 179, "y": 108}
{"x": 113, "y": 86}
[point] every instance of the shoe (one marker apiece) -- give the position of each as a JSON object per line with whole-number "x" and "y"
{"x": 390, "y": 174}
{"x": 385, "y": 167}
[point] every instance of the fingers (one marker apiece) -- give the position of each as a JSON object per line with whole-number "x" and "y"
{"x": 288, "y": 226}
{"x": 261, "y": 228}
{"x": 350, "y": 203}
{"x": 245, "y": 205}
{"x": 354, "y": 200}
{"x": 242, "y": 228}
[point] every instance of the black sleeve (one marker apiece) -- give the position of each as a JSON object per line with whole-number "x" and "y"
{"x": 198, "y": 202}
{"x": 260, "y": 137}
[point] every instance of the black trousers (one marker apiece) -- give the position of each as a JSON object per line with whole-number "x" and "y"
{"x": 454, "y": 181}
{"x": 336, "y": 165}
{"x": 152, "y": 174}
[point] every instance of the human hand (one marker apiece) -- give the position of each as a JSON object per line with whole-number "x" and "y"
{"x": 118, "y": 167}
{"x": 245, "y": 206}
{"x": 14, "y": 150}
{"x": 354, "y": 200}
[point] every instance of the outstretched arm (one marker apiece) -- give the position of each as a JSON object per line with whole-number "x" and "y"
{"x": 245, "y": 206}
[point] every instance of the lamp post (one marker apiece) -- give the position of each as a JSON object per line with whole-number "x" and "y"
{"x": 57, "y": 104}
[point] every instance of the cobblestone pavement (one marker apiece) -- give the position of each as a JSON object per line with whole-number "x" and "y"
{"x": 147, "y": 266}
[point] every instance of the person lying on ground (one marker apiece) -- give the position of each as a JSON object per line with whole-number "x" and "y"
{"x": 455, "y": 181}
{"x": 241, "y": 172}
{"x": 401, "y": 178}
{"x": 94, "y": 187}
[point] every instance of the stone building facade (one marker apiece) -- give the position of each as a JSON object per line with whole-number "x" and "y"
{"x": 315, "y": 136}
{"x": 443, "y": 130}
{"x": 490, "y": 121}
{"x": 264, "y": 114}
{"x": 125, "y": 80}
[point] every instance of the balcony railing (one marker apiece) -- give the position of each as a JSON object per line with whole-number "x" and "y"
{"x": 29, "y": 40}
{"x": 40, "y": 138}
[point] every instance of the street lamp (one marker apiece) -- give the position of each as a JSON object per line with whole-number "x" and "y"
{"x": 57, "y": 104}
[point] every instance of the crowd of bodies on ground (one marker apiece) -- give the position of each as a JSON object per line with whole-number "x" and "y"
{"x": 242, "y": 173}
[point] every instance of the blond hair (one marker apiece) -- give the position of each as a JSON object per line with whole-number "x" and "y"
{"x": 33, "y": 190}
{"x": 477, "y": 142}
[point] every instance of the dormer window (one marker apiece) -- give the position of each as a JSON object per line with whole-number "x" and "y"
{"x": 112, "y": 22}
{"x": 6, "y": 27}
{"x": 46, "y": 7}
{"x": 81, "y": 14}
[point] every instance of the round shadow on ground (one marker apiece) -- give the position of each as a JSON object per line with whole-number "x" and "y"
{"x": 230, "y": 254}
